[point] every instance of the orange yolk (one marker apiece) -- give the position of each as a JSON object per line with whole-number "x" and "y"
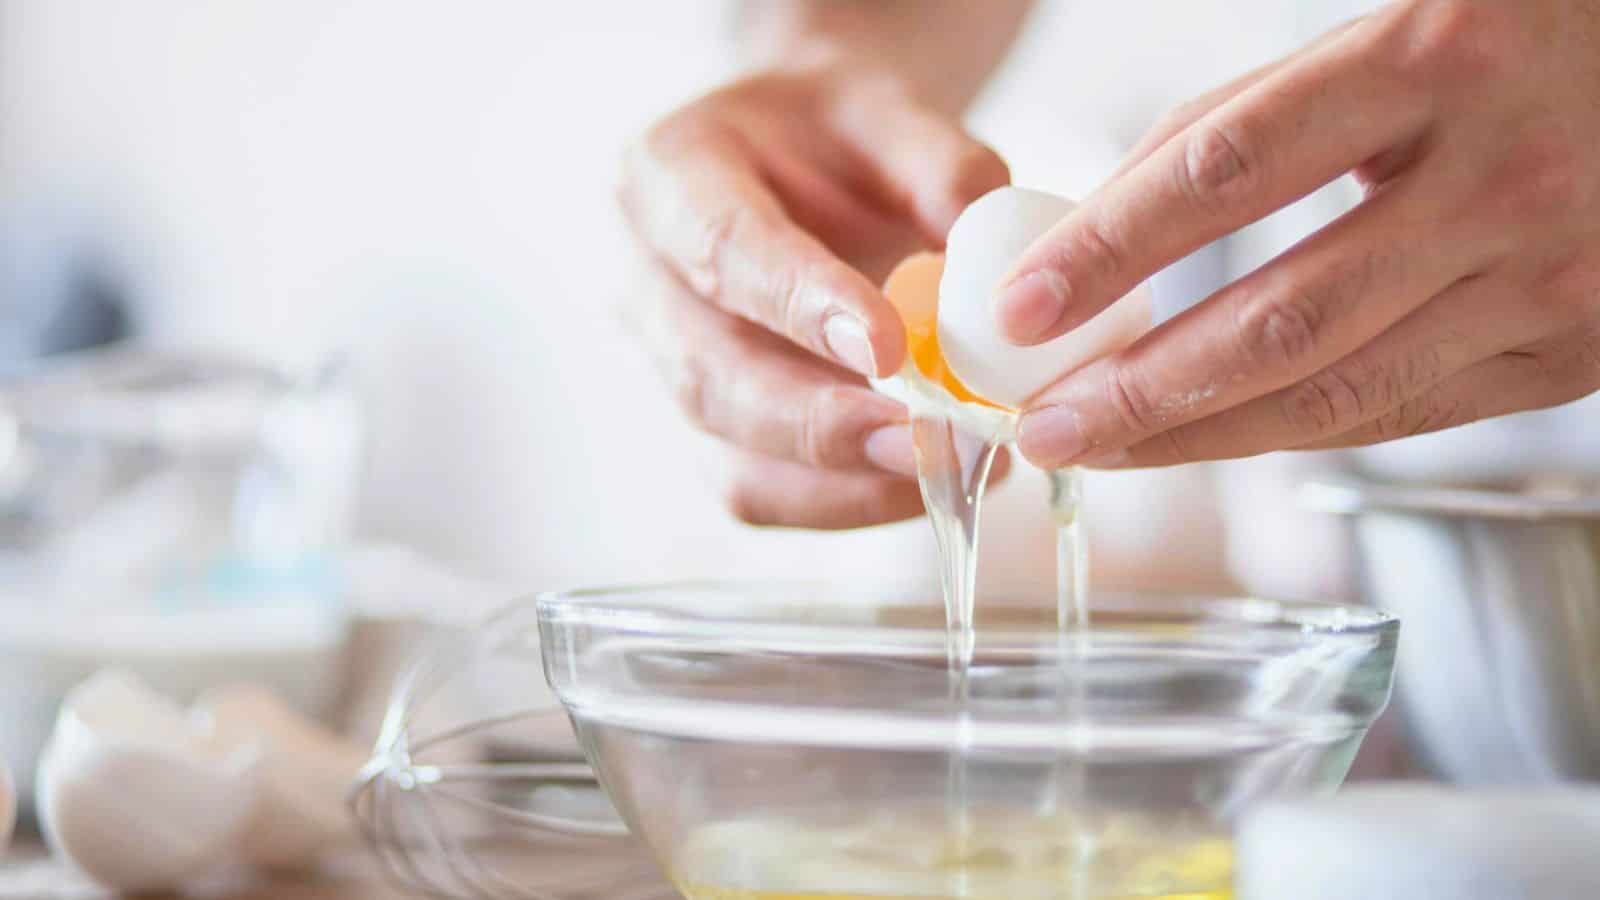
{"x": 913, "y": 288}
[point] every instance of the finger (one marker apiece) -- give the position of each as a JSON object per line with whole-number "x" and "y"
{"x": 1505, "y": 384}
{"x": 1181, "y": 117}
{"x": 771, "y": 492}
{"x": 925, "y": 163}
{"x": 1272, "y": 144}
{"x": 706, "y": 213}
{"x": 1461, "y": 327}
{"x": 740, "y": 382}
{"x": 1314, "y": 305}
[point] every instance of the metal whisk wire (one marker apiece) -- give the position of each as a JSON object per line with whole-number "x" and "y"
{"x": 416, "y": 814}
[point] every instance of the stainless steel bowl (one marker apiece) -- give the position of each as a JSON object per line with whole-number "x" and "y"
{"x": 1499, "y": 665}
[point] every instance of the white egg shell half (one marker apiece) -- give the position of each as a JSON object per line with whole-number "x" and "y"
{"x": 986, "y": 241}
{"x": 130, "y": 795}
{"x": 8, "y": 806}
{"x": 300, "y": 769}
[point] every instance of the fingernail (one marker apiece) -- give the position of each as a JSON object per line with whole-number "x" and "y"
{"x": 1052, "y": 436}
{"x": 847, "y": 340}
{"x": 1029, "y": 306}
{"x": 889, "y": 448}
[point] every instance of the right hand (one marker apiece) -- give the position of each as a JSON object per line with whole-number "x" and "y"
{"x": 769, "y": 211}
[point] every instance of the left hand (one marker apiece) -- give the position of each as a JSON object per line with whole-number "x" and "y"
{"x": 1465, "y": 285}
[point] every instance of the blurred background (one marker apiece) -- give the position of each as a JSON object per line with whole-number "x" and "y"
{"x": 429, "y": 194}
{"x": 363, "y": 278}
{"x": 358, "y": 286}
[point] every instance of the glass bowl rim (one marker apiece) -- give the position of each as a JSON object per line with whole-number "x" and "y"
{"x": 622, "y": 607}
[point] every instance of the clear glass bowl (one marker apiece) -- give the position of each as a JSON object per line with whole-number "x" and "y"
{"x": 804, "y": 740}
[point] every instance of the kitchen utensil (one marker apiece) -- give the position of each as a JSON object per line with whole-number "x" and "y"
{"x": 1500, "y": 590}
{"x": 466, "y": 787}
{"x": 178, "y": 515}
{"x": 733, "y": 724}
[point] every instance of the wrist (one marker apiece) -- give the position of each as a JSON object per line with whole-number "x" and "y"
{"x": 940, "y": 51}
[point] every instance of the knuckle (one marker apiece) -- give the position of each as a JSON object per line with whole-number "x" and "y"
{"x": 657, "y": 172}
{"x": 703, "y": 269}
{"x": 976, "y": 170}
{"x": 1090, "y": 252}
{"x": 642, "y": 159}
{"x": 1345, "y": 395}
{"x": 742, "y": 499}
{"x": 1180, "y": 116}
{"x": 1100, "y": 248}
{"x": 1572, "y": 369}
{"x": 1422, "y": 416}
{"x": 1326, "y": 403}
{"x": 1276, "y": 333}
{"x": 788, "y": 310}
{"x": 647, "y": 153}
{"x": 1567, "y": 290}
{"x": 1392, "y": 425}
{"x": 1217, "y": 165}
{"x": 1418, "y": 371}
{"x": 1173, "y": 451}
{"x": 1131, "y": 402}
{"x": 825, "y": 438}
{"x": 668, "y": 138}
{"x": 1588, "y": 354}
{"x": 693, "y": 394}
{"x": 1438, "y": 415}
{"x": 1460, "y": 41}
{"x": 1547, "y": 176}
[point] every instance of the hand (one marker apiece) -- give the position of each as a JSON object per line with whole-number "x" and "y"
{"x": 1465, "y": 285}
{"x": 771, "y": 210}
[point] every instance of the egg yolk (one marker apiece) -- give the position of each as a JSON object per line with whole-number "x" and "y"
{"x": 913, "y": 288}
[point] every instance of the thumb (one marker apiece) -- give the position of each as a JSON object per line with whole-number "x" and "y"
{"x": 923, "y": 161}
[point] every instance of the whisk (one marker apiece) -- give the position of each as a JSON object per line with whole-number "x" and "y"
{"x": 466, "y": 802}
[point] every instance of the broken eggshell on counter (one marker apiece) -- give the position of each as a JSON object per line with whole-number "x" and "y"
{"x": 143, "y": 795}
{"x": 130, "y": 795}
